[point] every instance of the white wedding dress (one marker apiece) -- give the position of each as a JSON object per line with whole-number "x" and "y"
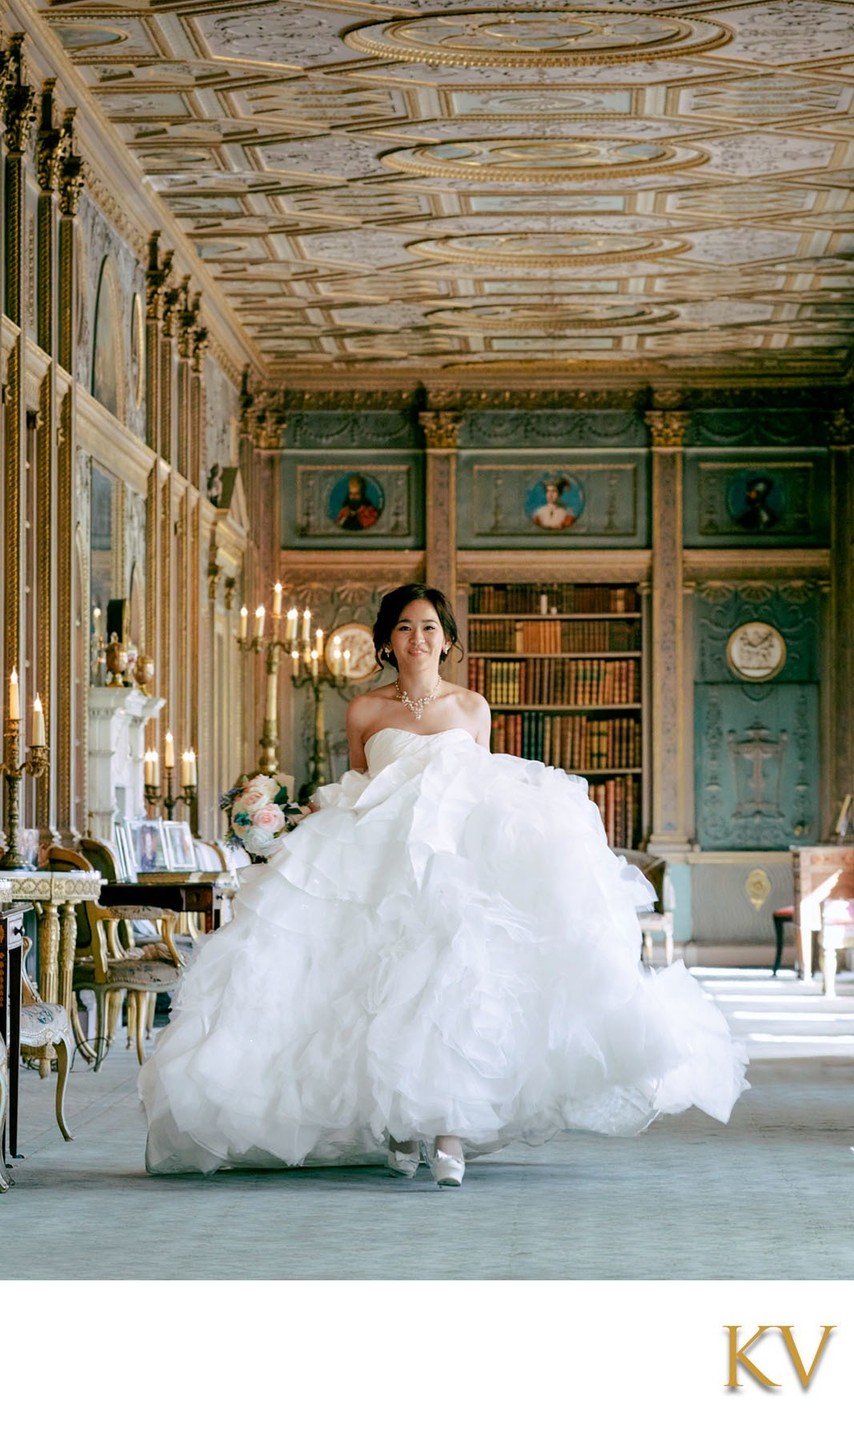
{"x": 447, "y": 946}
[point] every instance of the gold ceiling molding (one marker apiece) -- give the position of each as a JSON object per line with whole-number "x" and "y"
{"x": 538, "y": 37}
{"x": 393, "y": 128}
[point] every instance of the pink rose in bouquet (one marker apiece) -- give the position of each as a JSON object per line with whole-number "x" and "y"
{"x": 259, "y": 813}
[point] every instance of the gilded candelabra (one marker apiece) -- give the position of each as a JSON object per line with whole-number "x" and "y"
{"x": 36, "y": 764}
{"x": 310, "y": 666}
{"x": 189, "y": 792}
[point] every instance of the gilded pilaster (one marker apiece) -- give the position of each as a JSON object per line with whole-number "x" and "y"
{"x": 263, "y": 559}
{"x": 48, "y": 164}
{"x": 185, "y": 325}
{"x": 157, "y": 278}
{"x": 19, "y": 110}
{"x": 670, "y": 794}
{"x": 71, "y": 703}
{"x": 840, "y": 438}
{"x": 441, "y": 432}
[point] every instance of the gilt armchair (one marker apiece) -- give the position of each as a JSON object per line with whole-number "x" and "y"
{"x": 109, "y": 963}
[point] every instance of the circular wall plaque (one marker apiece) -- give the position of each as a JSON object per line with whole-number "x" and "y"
{"x": 756, "y": 652}
{"x": 359, "y": 639}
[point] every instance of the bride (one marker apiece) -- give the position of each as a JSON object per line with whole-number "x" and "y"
{"x": 442, "y": 959}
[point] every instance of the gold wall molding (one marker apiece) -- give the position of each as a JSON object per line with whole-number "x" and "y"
{"x": 586, "y": 566}
{"x": 734, "y": 564}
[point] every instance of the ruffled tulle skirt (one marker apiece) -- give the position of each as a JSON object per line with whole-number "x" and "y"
{"x": 447, "y": 946}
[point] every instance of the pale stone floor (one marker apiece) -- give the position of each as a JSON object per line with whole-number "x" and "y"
{"x": 764, "y": 1197}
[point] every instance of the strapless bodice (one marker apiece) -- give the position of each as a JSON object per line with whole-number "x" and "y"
{"x": 389, "y": 744}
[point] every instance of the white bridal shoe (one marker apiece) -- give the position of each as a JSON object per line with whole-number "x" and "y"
{"x": 404, "y": 1163}
{"x": 447, "y": 1168}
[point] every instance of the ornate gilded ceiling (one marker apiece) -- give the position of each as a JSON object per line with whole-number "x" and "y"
{"x": 606, "y": 188}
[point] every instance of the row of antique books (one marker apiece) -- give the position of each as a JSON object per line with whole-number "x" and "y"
{"x": 551, "y": 636}
{"x": 577, "y": 682}
{"x": 571, "y": 741}
{"x": 552, "y": 599}
{"x": 617, "y": 799}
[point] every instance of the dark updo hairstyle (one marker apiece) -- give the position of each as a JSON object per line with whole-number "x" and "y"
{"x": 393, "y": 606}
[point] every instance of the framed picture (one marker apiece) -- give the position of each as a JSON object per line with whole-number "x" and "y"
{"x": 180, "y": 849}
{"x": 28, "y": 846}
{"x": 148, "y": 844}
{"x": 125, "y": 862}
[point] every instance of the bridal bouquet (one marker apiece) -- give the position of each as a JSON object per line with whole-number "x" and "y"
{"x": 259, "y": 813}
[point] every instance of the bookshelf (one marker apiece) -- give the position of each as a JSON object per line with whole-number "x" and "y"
{"x": 561, "y": 667}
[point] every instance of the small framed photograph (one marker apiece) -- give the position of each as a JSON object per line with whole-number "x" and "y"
{"x": 28, "y": 846}
{"x": 148, "y": 844}
{"x": 180, "y": 849}
{"x": 125, "y": 861}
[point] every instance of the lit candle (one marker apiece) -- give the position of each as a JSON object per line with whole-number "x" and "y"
{"x": 96, "y": 622}
{"x": 193, "y": 769}
{"x": 14, "y": 696}
{"x": 346, "y": 663}
{"x": 38, "y": 723}
{"x": 291, "y": 631}
{"x": 314, "y": 663}
{"x": 277, "y": 601}
{"x": 295, "y": 663}
{"x": 336, "y": 659}
{"x": 318, "y": 640}
{"x": 169, "y": 751}
{"x": 306, "y": 625}
{"x": 150, "y": 767}
{"x": 244, "y": 622}
{"x": 186, "y": 770}
{"x": 259, "y": 622}
{"x": 270, "y": 712}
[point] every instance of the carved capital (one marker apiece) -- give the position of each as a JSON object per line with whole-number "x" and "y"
{"x": 19, "y": 99}
{"x": 269, "y": 421}
{"x": 70, "y": 168}
{"x": 839, "y": 429}
{"x": 188, "y": 313}
{"x": 667, "y": 427}
{"x": 157, "y": 276}
{"x": 201, "y": 344}
{"x": 441, "y": 428}
{"x": 49, "y": 143}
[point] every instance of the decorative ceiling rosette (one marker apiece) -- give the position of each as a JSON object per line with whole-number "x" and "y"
{"x": 546, "y": 161}
{"x": 547, "y": 249}
{"x": 538, "y": 36}
{"x": 547, "y": 317}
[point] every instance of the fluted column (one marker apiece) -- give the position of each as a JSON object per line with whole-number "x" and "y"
{"x": 70, "y": 735}
{"x": 48, "y": 164}
{"x": 19, "y": 112}
{"x": 441, "y": 432}
{"x": 841, "y": 668}
{"x": 670, "y": 794}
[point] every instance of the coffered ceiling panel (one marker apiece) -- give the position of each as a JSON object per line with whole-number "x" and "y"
{"x": 646, "y": 188}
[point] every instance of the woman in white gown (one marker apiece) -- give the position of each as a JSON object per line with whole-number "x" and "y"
{"x": 442, "y": 959}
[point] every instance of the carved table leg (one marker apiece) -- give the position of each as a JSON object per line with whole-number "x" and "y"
{"x": 67, "y": 945}
{"x": 49, "y": 955}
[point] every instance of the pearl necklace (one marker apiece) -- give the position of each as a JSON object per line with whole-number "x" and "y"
{"x": 416, "y": 706}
